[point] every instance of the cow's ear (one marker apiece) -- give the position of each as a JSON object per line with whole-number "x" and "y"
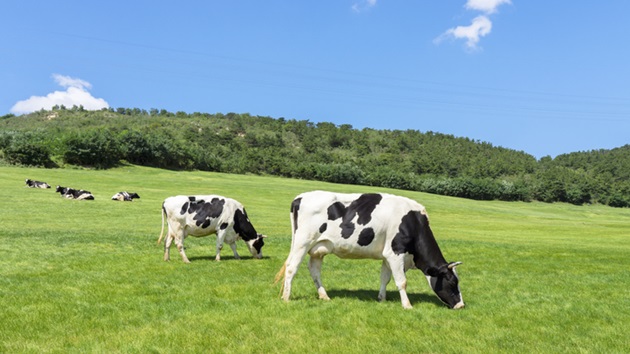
{"x": 262, "y": 236}
{"x": 432, "y": 271}
{"x": 453, "y": 265}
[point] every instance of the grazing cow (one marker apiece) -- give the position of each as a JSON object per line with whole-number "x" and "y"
{"x": 203, "y": 215}
{"x": 72, "y": 193}
{"x": 125, "y": 196}
{"x": 36, "y": 184}
{"x": 378, "y": 226}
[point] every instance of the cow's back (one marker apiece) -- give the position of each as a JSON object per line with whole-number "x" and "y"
{"x": 355, "y": 225}
{"x": 200, "y": 215}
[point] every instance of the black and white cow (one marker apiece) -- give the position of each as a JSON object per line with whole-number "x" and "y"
{"x": 72, "y": 193}
{"x": 125, "y": 196}
{"x": 203, "y": 215}
{"x": 378, "y": 226}
{"x": 36, "y": 184}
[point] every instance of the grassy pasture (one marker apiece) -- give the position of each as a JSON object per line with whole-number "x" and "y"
{"x": 88, "y": 276}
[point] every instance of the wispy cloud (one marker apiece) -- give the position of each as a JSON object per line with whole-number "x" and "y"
{"x": 480, "y": 26}
{"x": 363, "y": 5}
{"x": 487, "y": 6}
{"x": 76, "y": 94}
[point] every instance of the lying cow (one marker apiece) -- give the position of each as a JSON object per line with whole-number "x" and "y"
{"x": 36, "y": 184}
{"x": 203, "y": 215}
{"x": 72, "y": 193}
{"x": 378, "y": 226}
{"x": 125, "y": 196}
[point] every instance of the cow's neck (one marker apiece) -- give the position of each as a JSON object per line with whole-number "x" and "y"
{"x": 427, "y": 253}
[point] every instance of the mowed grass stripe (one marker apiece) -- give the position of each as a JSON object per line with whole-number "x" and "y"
{"x": 88, "y": 276}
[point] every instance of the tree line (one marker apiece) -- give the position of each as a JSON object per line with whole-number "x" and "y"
{"x": 242, "y": 143}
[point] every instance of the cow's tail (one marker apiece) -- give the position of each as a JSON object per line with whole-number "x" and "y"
{"x": 162, "y": 231}
{"x": 280, "y": 276}
{"x": 282, "y": 272}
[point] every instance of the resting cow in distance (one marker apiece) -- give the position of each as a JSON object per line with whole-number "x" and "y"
{"x": 72, "y": 193}
{"x": 379, "y": 226}
{"x": 36, "y": 184}
{"x": 125, "y": 196}
{"x": 203, "y": 215}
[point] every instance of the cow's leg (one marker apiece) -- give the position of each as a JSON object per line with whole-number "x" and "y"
{"x": 220, "y": 240}
{"x": 397, "y": 266}
{"x": 233, "y": 247}
{"x": 386, "y": 275}
{"x": 167, "y": 247}
{"x": 179, "y": 242}
{"x": 291, "y": 266}
{"x": 315, "y": 261}
{"x": 315, "y": 267}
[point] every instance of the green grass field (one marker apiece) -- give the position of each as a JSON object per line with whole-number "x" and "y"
{"x": 88, "y": 276}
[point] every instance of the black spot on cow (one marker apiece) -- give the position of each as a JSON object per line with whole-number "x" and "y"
{"x": 408, "y": 230}
{"x": 323, "y": 228}
{"x": 243, "y": 227}
{"x": 184, "y": 209}
{"x": 192, "y": 199}
{"x": 366, "y": 236}
{"x": 223, "y": 226}
{"x": 295, "y": 207}
{"x": 205, "y": 211}
{"x": 415, "y": 237}
{"x": 336, "y": 210}
{"x": 363, "y": 207}
{"x": 347, "y": 229}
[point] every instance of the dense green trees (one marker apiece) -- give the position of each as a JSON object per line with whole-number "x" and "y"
{"x": 241, "y": 143}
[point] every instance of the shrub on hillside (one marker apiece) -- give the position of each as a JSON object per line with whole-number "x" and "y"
{"x": 93, "y": 148}
{"x": 27, "y": 149}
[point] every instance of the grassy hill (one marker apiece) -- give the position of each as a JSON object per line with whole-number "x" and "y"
{"x": 246, "y": 144}
{"x": 88, "y": 276}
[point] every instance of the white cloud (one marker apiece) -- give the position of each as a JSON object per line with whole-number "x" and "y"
{"x": 67, "y": 81}
{"x": 480, "y": 26}
{"x": 363, "y": 5}
{"x": 76, "y": 94}
{"x": 487, "y": 6}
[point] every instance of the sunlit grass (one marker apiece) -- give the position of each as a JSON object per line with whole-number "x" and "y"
{"x": 87, "y": 276}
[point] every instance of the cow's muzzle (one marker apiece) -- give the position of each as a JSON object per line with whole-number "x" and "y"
{"x": 459, "y": 305}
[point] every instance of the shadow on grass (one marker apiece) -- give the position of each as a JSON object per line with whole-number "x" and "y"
{"x": 225, "y": 258}
{"x": 371, "y": 295}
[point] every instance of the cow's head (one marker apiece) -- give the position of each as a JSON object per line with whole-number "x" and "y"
{"x": 61, "y": 189}
{"x": 445, "y": 283}
{"x": 255, "y": 245}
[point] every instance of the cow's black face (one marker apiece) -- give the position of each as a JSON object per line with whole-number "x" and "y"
{"x": 445, "y": 284}
{"x": 255, "y": 246}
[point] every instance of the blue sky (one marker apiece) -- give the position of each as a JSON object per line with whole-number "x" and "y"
{"x": 544, "y": 77}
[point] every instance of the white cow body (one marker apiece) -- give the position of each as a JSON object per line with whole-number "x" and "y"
{"x": 204, "y": 215}
{"x": 379, "y": 226}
